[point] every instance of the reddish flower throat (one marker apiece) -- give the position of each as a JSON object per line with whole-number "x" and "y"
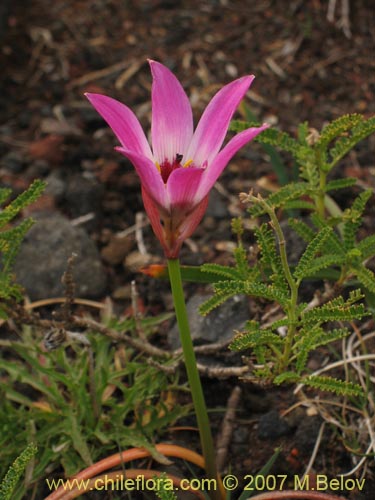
{"x": 166, "y": 168}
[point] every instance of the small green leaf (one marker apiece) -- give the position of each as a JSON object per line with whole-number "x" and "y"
{"x": 336, "y": 128}
{"x": 330, "y": 384}
{"x": 340, "y": 183}
{"x": 366, "y": 277}
{"x": 306, "y": 261}
{"x": 288, "y": 377}
{"x": 285, "y": 194}
{"x": 15, "y": 471}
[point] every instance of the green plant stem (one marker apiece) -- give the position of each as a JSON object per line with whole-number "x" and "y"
{"x": 320, "y": 206}
{"x": 293, "y": 286}
{"x": 192, "y": 372}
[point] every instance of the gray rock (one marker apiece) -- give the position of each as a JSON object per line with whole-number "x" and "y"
{"x": 83, "y": 195}
{"x": 217, "y": 326}
{"x": 217, "y": 207}
{"x": 295, "y": 246}
{"x": 272, "y": 426}
{"x": 56, "y": 185}
{"x": 13, "y": 162}
{"x": 43, "y": 256}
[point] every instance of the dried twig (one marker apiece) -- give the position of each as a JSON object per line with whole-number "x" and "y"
{"x": 139, "y": 216}
{"x": 226, "y": 430}
{"x": 223, "y": 372}
{"x": 136, "y": 313}
{"x": 68, "y": 281}
{"x": 138, "y": 344}
{"x": 96, "y": 75}
{"x": 219, "y": 372}
{"x": 344, "y": 21}
{"x": 206, "y": 348}
{"x": 315, "y": 450}
{"x": 58, "y": 300}
{"x": 57, "y": 334}
{"x": 301, "y": 495}
{"x": 127, "y": 74}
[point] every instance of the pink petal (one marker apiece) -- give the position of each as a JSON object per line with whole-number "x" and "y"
{"x": 172, "y": 233}
{"x": 213, "y": 125}
{"x": 213, "y": 172}
{"x": 154, "y": 216}
{"x": 150, "y": 177}
{"x": 182, "y": 187}
{"x": 191, "y": 222}
{"x": 172, "y": 118}
{"x": 123, "y": 123}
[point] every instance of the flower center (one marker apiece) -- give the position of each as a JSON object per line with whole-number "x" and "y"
{"x": 166, "y": 168}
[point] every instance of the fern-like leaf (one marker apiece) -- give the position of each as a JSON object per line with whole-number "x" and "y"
{"x": 164, "y": 491}
{"x": 226, "y": 289}
{"x": 313, "y": 338}
{"x": 324, "y": 262}
{"x": 270, "y": 136}
{"x": 254, "y": 336}
{"x": 302, "y": 229}
{"x": 15, "y": 471}
{"x": 366, "y": 277}
{"x": 285, "y": 194}
{"x": 22, "y": 201}
{"x": 10, "y": 241}
{"x": 286, "y": 377}
{"x": 336, "y": 128}
{"x": 345, "y": 144}
{"x": 333, "y": 244}
{"x": 341, "y": 183}
{"x": 213, "y": 302}
{"x": 242, "y": 266}
{"x": 337, "y": 309}
{"x": 367, "y": 246}
{"x": 269, "y": 256}
{"x": 222, "y": 271}
{"x": 4, "y": 194}
{"x": 299, "y": 205}
{"x": 353, "y": 218}
{"x": 306, "y": 260}
{"x": 340, "y": 387}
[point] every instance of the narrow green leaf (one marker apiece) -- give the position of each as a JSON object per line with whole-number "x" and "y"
{"x": 341, "y": 183}
{"x": 336, "y": 128}
{"x": 15, "y": 471}
{"x": 303, "y": 267}
{"x": 22, "y": 200}
{"x": 366, "y": 277}
{"x": 288, "y": 377}
{"x": 367, "y": 246}
{"x": 330, "y": 384}
{"x": 285, "y": 194}
{"x": 345, "y": 144}
{"x": 253, "y": 339}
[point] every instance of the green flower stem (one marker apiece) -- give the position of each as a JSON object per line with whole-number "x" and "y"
{"x": 192, "y": 371}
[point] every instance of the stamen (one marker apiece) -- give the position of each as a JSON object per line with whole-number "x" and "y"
{"x": 166, "y": 168}
{"x": 188, "y": 163}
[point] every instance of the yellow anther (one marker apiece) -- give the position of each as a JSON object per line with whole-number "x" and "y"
{"x": 188, "y": 163}
{"x": 158, "y": 166}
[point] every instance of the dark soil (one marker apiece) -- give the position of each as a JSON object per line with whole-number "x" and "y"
{"x": 306, "y": 69}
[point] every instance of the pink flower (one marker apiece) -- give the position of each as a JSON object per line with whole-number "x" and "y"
{"x": 179, "y": 171}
